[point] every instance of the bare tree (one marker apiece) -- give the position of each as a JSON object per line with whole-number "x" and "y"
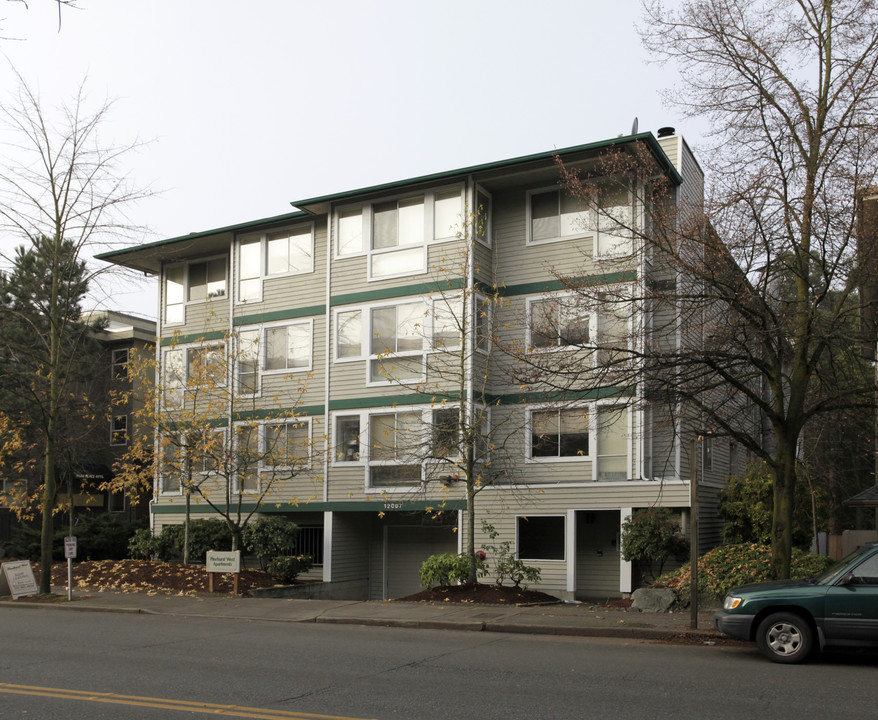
{"x": 62, "y": 189}
{"x": 737, "y": 319}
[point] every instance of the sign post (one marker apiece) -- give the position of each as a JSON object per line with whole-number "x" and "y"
{"x": 70, "y": 553}
{"x": 222, "y": 562}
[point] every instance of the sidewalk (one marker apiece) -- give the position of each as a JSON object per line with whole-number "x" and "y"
{"x": 562, "y": 619}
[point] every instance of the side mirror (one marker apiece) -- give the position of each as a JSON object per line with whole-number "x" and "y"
{"x": 849, "y": 579}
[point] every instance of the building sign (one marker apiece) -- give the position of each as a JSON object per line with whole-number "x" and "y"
{"x": 223, "y": 562}
{"x": 17, "y": 579}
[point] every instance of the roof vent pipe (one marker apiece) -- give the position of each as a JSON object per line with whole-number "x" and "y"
{"x": 666, "y": 132}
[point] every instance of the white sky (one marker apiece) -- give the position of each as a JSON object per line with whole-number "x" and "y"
{"x": 251, "y": 105}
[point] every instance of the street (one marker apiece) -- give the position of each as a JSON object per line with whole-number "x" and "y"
{"x": 72, "y": 665}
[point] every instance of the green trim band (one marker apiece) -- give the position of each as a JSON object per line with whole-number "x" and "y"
{"x": 378, "y": 506}
{"x": 286, "y": 314}
{"x": 390, "y": 401}
{"x": 366, "y": 296}
{"x": 193, "y": 338}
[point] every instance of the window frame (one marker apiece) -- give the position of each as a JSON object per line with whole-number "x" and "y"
{"x": 371, "y": 463}
{"x": 184, "y": 385}
{"x": 187, "y": 287}
{"x": 362, "y": 441}
{"x": 528, "y": 517}
{"x": 561, "y": 237}
{"x": 119, "y": 368}
{"x": 544, "y": 459}
{"x": 262, "y": 238}
{"x": 119, "y": 431}
{"x": 430, "y": 235}
{"x": 264, "y": 466}
{"x": 364, "y": 336}
{"x": 373, "y": 358}
{"x": 558, "y": 299}
{"x": 263, "y": 350}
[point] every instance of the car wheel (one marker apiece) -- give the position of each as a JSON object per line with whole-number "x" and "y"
{"x": 785, "y": 638}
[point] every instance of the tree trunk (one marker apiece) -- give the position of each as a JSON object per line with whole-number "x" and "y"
{"x": 471, "y": 531}
{"x": 48, "y": 506}
{"x": 782, "y": 519}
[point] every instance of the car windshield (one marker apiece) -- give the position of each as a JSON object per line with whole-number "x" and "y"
{"x": 829, "y": 576}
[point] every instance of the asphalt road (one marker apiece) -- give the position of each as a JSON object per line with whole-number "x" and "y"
{"x": 69, "y": 665}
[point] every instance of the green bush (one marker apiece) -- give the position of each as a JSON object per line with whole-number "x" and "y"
{"x": 143, "y": 545}
{"x": 269, "y": 538}
{"x": 652, "y": 536}
{"x": 204, "y": 535}
{"x": 286, "y": 568}
{"x": 506, "y": 565}
{"x": 729, "y": 566}
{"x": 445, "y": 569}
{"x": 98, "y": 537}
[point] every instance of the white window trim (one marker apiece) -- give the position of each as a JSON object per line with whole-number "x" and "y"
{"x": 370, "y": 357}
{"x": 364, "y": 335}
{"x": 545, "y": 460}
{"x": 592, "y": 325}
{"x": 530, "y": 242}
{"x": 264, "y": 467}
{"x": 263, "y": 349}
{"x": 542, "y": 560}
{"x": 363, "y": 417}
{"x": 237, "y": 368}
{"x": 366, "y": 431}
{"x": 263, "y": 260}
{"x": 429, "y": 197}
{"x": 593, "y": 432}
{"x": 186, "y": 301}
{"x": 185, "y": 350}
{"x": 455, "y": 303}
{"x": 489, "y": 229}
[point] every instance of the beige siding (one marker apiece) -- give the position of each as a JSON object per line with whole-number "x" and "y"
{"x": 350, "y": 546}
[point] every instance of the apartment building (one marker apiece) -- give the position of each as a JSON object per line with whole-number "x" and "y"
{"x": 373, "y": 315}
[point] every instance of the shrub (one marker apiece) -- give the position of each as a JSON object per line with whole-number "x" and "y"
{"x": 506, "y": 565}
{"x": 445, "y": 569}
{"x": 98, "y": 537}
{"x": 204, "y": 535}
{"x": 143, "y": 545}
{"x": 650, "y": 538}
{"x": 286, "y": 568}
{"x": 269, "y": 538}
{"x": 729, "y": 566}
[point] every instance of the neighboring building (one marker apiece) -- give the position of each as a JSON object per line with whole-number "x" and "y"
{"x": 343, "y": 291}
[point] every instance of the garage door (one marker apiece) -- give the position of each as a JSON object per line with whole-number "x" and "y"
{"x": 406, "y": 549}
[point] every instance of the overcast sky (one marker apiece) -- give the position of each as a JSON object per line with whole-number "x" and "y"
{"x": 251, "y": 105}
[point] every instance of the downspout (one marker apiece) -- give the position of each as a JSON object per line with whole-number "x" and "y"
{"x": 327, "y": 434}
{"x": 160, "y": 300}
{"x": 468, "y": 345}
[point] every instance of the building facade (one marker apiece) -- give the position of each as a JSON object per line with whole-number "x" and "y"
{"x": 371, "y": 317}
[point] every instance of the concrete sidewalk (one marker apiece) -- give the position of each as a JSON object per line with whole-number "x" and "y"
{"x": 561, "y": 619}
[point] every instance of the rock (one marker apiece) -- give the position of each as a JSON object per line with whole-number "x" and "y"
{"x": 655, "y": 600}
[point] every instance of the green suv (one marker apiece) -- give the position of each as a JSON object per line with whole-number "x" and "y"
{"x": 789, "y": 618}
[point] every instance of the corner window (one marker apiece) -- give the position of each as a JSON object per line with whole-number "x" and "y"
{"x": 445, "y": 320}
{"x": 175, "y": 294}
{"x": 559, "y": 433}
{"x": 614, "y": 222}
{"x": 446, "y": 215}
{"x": 248, "y": 362}
{"x": 119, "y": 430}
{"x": 553, "y": 215}
{"x": 540, "y": 537}
{"x": 445, "y": 429}
{"x": 192, "y": 282}
{"x": 613, "y": 329}
{"x": 349, "y": 232}
{"x": 483, "y": 217}
{"x": 273, "y": 254}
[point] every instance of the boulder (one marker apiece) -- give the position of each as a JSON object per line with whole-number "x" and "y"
{"x": 656, "y": 600}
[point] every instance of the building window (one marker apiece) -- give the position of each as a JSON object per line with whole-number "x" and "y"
{"x": 559, "y": 433}
{"x": 557, "y": 322}
{"x": 540, "y": 537}
{"x": 445, "y": 427}
{"x": 246, "y": 459}
{"x": 349, "y": 335}
{"x": 397, "y": 343}
{"x": 288, "y": 347}
{"x": 483, "y": 217}
{"x": 171, "y": 453}
{"x": 347, "y": 438}
{"x": 174, "y": 377}
{"x": 395, "y": 233}
{"x": 612, "y": 444}
{"x": 193, "y": 282}
{"x": 274, "y": 254}
{"x": 445, "y": 319}
{"x": 206, "y": 366}
{"x": 287, "y": 445}
{"x": 553, "y": 215}
{"x": 119, "y": 430}
{"x": 248, "y": 362}
{"x": 116, "y": 501}
{"x": 120, "y": 363}
{"x": 394, "y": 449}
{"x": 707, "y": 446}
{"x": 484, "y": 310}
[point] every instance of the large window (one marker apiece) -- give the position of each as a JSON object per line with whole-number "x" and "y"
{"x": 540, "y": 537}
{"x": 191, "y": 283}
{"x": 287, "y": 445}
{"x": 395, "y": 446}
{"x": 397, "y": 343}
{"x": 559, "y": 433}
{"x": 557, "y": 322}
{"x": 394, "y": 234}
{"x": 278, "y": 253}
{"x": 247, "y": 458}
{"x": 349, "y": 334}
{"x": 614, "y": 222}
{"x": 275, "y": 349}
{"x": 553, "y": 215}
{"x": 612, "y": 445}
{"x": 192, "y": 367}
